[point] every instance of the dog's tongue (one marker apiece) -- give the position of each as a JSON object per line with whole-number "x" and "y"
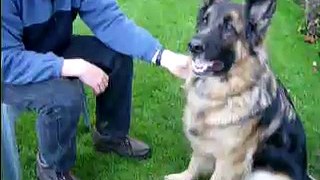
{"x": 217, "y": 65}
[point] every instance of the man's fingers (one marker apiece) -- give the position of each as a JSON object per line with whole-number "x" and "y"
{"x": 102, "y": 86}
{"x": 96, "y": 90}
{"x": 99, "y": 88}
{"x": 105, "y": 80}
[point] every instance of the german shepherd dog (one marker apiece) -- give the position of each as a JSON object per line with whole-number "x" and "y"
{"x": 239, "y": 119}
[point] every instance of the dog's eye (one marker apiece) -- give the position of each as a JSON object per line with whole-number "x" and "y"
{"x": 227, "y": 24}
{"x": 228, "y": 28}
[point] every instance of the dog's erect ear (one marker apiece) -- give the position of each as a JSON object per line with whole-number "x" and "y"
{"x": 258, "y": 16}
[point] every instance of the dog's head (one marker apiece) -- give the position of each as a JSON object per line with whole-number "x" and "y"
{"x": 222, "y": 28}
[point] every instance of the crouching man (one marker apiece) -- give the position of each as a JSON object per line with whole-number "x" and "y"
{"x": 43, "y": 64}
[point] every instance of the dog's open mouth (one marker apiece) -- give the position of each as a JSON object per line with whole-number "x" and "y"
{"x": 201, "y": 67}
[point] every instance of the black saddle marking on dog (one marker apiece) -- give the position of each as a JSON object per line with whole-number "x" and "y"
{"x": 285, "y": 150}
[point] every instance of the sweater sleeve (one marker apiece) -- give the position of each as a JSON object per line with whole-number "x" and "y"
{"x": 116, "y": 31}
{"x": 18, "y": 65}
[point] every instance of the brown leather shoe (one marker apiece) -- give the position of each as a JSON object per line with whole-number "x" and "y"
{"x": 125, "y": 146}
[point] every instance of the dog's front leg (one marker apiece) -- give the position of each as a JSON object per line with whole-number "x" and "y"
{"x": 231, "y": 169}
{"x": 199, "y": 164}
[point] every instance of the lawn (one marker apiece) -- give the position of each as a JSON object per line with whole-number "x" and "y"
{"x": 158, "y": 100}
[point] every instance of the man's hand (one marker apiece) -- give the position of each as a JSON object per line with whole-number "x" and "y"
{"x": 88, "y": 73}
{"x": 177, "y": 64}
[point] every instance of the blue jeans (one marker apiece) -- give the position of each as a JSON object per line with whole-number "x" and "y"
{"x": 58, "y": 102}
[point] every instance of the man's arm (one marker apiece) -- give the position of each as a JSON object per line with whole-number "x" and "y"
{"x": 20, "y": 66}
{"x": 114, "y": 29}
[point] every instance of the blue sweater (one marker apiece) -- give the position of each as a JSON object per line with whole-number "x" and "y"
{"x": 34, "y": 30}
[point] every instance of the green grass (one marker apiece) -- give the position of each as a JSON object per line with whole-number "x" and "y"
{"x": 158, "y": 100}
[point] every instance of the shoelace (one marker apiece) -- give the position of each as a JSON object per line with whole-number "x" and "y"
{"x": 126, "y": 143}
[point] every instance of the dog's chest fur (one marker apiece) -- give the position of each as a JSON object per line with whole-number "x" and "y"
{"x": 218, "y": 125}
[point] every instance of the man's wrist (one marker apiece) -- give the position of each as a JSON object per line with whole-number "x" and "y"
{"x": 158, "y": 57}
{"x": 72, "y": 67}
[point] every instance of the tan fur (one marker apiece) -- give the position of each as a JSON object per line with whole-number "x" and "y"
{"x": 222, "y": 112}
{"x": 237, "y": 21}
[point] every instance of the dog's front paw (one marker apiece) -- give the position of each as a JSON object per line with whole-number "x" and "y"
{"x": 180, "y": 176}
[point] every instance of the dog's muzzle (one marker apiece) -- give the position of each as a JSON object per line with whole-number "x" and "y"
{"x": 204, "y": 66}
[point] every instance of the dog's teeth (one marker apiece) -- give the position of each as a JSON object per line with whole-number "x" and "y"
{"x": 200, "y": 66}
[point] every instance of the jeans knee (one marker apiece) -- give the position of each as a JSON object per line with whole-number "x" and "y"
{"x": 66, "y": 103}
{"x": 70, "y": 108}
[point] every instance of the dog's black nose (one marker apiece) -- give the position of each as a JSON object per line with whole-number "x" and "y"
{"x": 196, "y": 46}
